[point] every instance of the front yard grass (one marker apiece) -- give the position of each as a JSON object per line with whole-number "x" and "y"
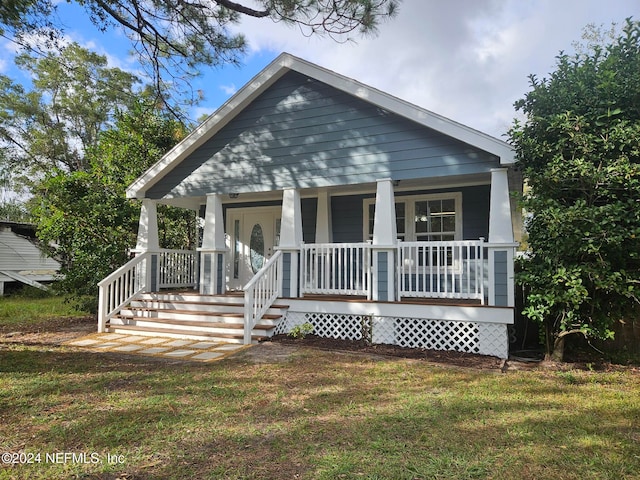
{"x": 317, "y": 415}
{"x": 26, "y": 312}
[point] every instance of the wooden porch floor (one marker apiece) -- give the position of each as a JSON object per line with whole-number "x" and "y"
{"x": 451, "y": 302}
{"x": 406, "y": 300}
{"x": 456, "y": 302}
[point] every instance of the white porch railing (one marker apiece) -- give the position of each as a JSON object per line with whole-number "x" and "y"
{"x": 260, "y": 293}
{"x": 452, "y": 269}
{"x": 336, "y": 268}
{"x": 177, "y": 268}
{"x": 171, "y": 269}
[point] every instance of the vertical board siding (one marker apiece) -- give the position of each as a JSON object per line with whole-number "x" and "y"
{"x": 501, "y": 279}
{"x": 219, "y": 274}
{"x": 286, "y": 274}
{"x": 301, "y": 133}
{"x": 207, "y": 280}
{"x": 383, "y": 271}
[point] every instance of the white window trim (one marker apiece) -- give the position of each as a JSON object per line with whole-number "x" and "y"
{"x": 410, "y": 211}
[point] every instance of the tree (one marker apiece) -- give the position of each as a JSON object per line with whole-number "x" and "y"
{"x": 84, "y": 218}
{"x": 174, "y": 37}
{"x": 579, "y": 148}
{"x": 74, "y": 96}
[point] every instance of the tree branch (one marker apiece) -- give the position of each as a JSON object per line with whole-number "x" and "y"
{"x": 236, "y": 7}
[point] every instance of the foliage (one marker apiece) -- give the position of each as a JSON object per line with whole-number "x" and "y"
{"x": 84, "y": 216}
{"x": 579, "y": 148}
{"x": 173, "y": 38}
{"x": 74, "y": 96}
{"x": 14, "y": 211}
{"x": 301, "y": 331}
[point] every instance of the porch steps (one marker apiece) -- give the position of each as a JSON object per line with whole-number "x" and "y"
{"x": 193, "y": 316}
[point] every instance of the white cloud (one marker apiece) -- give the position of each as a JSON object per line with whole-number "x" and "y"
{"x": 466, "y": 59}
{"x": 229, "y": 89}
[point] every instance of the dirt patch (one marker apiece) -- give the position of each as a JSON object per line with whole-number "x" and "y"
{"x": 460, "y": 359}
{"x": 281, "y": 348}
{"x": 452, "y": 358}
{"x": 269, "y": 352}
{"x": 54, "y": 332}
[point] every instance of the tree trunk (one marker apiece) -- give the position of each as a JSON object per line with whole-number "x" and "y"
{"x": 557, "y": 354}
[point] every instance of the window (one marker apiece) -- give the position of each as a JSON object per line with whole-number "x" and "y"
{"x": 422, "y": 217}
{"x": 435, "y": 220}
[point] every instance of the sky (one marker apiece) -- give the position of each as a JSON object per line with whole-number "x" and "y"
{"x": 468, "y": 60}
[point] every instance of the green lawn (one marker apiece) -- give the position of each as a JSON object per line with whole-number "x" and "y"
{"x": 24, "y": 312}
{"x": 319, "y": 415}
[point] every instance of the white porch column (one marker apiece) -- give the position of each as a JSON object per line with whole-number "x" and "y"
{"x": 500, "y": 226}
{"x": 148, "y": 228}
{"x": 501, "y": 246}
{"x": 385, "y": 237}
{"x": 290, "y": 241}
{"x": 214, "y": 249}
{"x": 324, "y": 229}
{"x": 148, "y": 241}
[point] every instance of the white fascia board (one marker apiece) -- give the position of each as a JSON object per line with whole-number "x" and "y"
{"x": 207, "y": 129}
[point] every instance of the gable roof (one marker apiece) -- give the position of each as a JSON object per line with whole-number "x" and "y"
{"x": 273, "y": 72}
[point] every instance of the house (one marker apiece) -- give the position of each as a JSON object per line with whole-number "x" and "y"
{"x": 20, "y": 258}
{"x": 326, "y": 201}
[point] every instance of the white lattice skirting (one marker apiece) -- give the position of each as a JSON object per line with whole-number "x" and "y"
{"x": 471, "y": 337}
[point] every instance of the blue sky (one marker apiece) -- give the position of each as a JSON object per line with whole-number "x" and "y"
{"x": 465, "y": 59}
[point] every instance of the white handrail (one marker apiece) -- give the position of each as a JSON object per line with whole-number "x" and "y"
{"x": 147, "y": 271}
{"x": 260, "y": 293}
{"x": 117, "y": 289}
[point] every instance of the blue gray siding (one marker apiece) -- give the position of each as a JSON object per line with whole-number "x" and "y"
{"x": 219, "y": 274}
{"x": 383, "y": 272}
{"x": 501, "y": 279}
{"x": 302, "y": 133}
{"x": 286, "y": 274}
{"x": 347, "y": 213}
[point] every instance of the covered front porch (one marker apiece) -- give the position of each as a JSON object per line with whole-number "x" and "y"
{"x": 453, "y": 294}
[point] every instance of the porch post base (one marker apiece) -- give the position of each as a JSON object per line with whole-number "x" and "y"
{"x": 212, "y": 272}
{"x": 290, "y": 272}
{"x": 383, "y": 281}
{"x": 501, "y": 291}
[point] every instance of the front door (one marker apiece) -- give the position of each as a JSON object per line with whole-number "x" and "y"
{"x": 253, "y": 234}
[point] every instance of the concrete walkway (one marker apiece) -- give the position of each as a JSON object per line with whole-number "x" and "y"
{"x": 170, "y": 348}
